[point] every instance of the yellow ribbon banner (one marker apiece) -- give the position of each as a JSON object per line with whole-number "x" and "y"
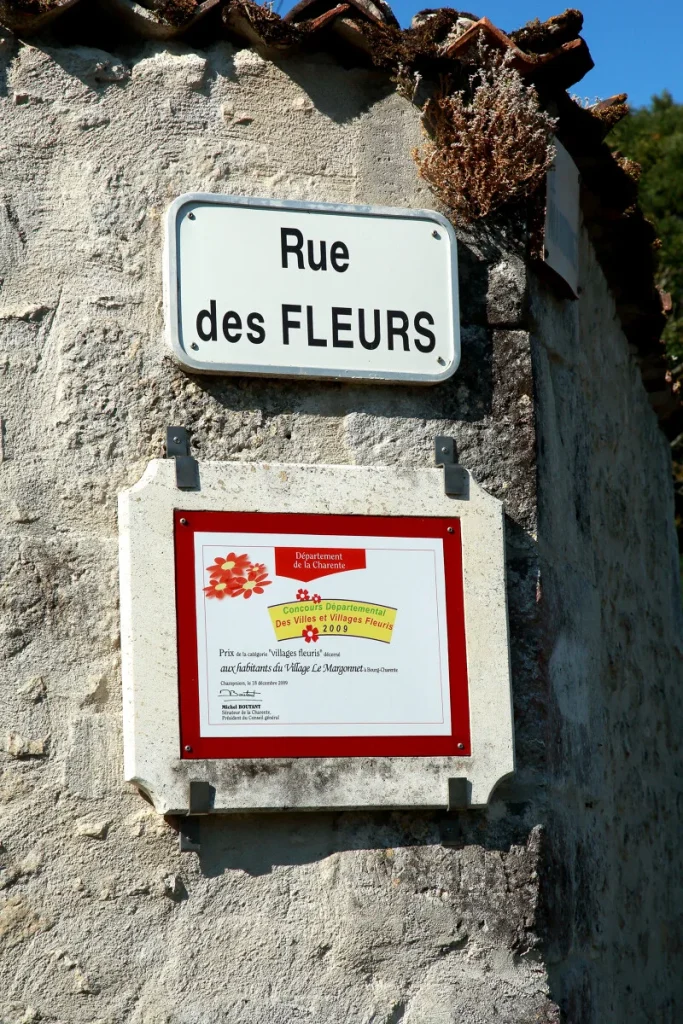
{"x": 332, "y": 618}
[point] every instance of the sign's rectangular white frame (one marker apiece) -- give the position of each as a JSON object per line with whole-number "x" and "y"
{"x": 184, "y": 207}
{"x": 149, "y": 640}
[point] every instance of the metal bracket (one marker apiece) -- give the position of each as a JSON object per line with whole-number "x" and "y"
{"x": 201, "y": 797}
{"x": 450, "y": 831}
{"x": 455, "y": 478}
{"x": 189, "y": 834}
{"x": 450, "y": 828}
{"x": 186, "y": 468}
{"x": 458, "y": 794}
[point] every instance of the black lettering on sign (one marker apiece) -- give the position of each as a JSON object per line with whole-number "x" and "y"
{"x": 429, "y": 345}
{"x": 292, "y": 244}
{"x": 208, "y": 314}
{"x": 338, "y": 342}
{"x": 256, "y": 332}
{"x": 312, "y": 340}
{"x": 322, "y": 264}
{"x": 365, "y": 342}
{"x": 339, "y": 254}
{"x": 232, "y": 326}
{"x": 293, "y": 249}
{"x": 288, "y": 324}
{"x": 397, "y": 332}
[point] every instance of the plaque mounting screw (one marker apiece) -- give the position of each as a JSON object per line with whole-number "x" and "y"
{"x": 461, "y": 746}
{"x": 456, "y": 481}
{"x": 435, "y": 234}
{"x": 190, "y": 216}
{"x": 183, "y": 522}
{"x": 188, "y": 749}
{"x": 450, "y": 529}
{"x": 194, "y": 345}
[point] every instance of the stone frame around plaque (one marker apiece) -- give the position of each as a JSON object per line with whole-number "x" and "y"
{"x": 153, "y": 755}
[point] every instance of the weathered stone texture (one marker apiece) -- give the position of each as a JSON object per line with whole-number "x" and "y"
{"x": 320, "y": 918}
{"x": 611, "y": 604}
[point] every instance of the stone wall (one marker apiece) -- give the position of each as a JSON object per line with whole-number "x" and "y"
{"x": 613, "y": 625}
{"x": 322, "y": 918}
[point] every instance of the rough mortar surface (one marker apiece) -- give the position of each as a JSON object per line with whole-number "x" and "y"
{"x": 611, "y": 603}
{"x": 326, "y": 918}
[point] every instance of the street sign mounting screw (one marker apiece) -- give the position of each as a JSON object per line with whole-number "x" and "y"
{"x": 194, "y": 345}
{"x": 190, "y": 216}
{"x": 435, "y": 234}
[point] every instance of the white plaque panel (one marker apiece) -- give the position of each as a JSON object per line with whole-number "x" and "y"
{"x": 342, "y": 662}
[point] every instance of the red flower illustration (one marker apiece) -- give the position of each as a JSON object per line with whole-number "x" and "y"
{"x": 310, "y": 633}
{"x": 217, "y": 588}
{"x": 257, "y": 567}
{"x": 302, "y": 595}
{"x": 316, "y": 599}
{"x": 231, "y": 565}
{"x": 252, "y": 583}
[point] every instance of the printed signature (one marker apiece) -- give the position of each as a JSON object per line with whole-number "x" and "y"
{"x": 239, "y": 693}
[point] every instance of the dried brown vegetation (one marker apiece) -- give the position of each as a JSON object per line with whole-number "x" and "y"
{"x": 263, "y": 24}
{"x": 490, "y": 144}
{"x": 34, "y": 7}
{"x": 176, "y": 12}
{"x": 416, "y": 50}
{"x": 540, "y": 37}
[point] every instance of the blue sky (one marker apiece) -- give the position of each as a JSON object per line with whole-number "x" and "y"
{"x": 637, "y": 47}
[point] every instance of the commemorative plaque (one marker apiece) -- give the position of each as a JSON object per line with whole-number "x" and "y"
{"x": 294, "y": 638}
{"x": 320, "y": 635}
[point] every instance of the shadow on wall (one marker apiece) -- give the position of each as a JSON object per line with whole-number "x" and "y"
{"x": 357, "y": 90}
{"x": 99, "y": 52}
{"x": 460, "y": 398}
{"x": 466, "y": 397}
{"x": 258, "y": 843}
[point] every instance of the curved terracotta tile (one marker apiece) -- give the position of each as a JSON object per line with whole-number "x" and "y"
{"x": 147, "y": 22}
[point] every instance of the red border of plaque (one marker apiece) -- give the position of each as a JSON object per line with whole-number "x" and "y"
{"x": 193, "y": 745}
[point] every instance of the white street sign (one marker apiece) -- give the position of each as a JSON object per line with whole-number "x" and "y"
{"x": 276, "y": 288}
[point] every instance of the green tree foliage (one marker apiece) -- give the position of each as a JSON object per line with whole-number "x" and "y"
{"x": 653, "y": 137}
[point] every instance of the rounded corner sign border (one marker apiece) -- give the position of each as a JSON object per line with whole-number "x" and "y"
{"x": 194, "y": 745}
{"x": 172, "y": 304}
